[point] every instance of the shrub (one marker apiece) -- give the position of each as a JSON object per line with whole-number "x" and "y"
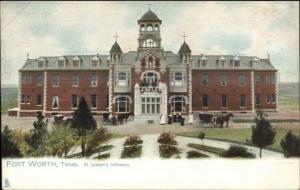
{"x": 291, "y": 145}
{"x": 133, "y": 140}
{"x": 195, "y": 154}
{"x": 95, "y": 139}
{"x": 132, "y": 147}
{"x": 9, "y": 147}
{"x": 167, "y": 151}
{"x": 167, "y": 138}
{"x": 237, "y": 151}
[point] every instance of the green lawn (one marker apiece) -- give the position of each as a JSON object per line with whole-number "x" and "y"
{"x": 238, "y": 135}
{"x": 218, "y": 151}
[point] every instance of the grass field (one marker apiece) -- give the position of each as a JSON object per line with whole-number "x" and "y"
{"x": 242, "y": 135}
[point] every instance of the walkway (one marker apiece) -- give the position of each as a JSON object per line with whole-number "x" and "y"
{"x": 150, "y": 147}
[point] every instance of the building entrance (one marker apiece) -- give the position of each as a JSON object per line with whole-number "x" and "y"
{"x": 151, "y": 105}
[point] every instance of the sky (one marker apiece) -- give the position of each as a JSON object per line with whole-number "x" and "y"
{"x": 78, "y": 28}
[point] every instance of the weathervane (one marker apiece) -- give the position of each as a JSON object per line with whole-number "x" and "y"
{"x": 116, "y": 36}
{"x": 184, "y": 36}
{"x": 149, "y": 4}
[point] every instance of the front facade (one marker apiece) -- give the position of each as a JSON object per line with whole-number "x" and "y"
{"x": 147, "y": 82}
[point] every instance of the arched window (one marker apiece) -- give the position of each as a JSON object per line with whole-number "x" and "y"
{"x": 156, "y": 27}
{"x": 178, "y": 104}
{"x": 142, "y": 27}
{"x": 149, "y": 27}
{"x": 149, "y": 43}
{"x": 122, "y": 104}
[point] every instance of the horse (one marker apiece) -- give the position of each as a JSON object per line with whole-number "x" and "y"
{"x": 227, "y": 118}
{"x": 220, "y": 120}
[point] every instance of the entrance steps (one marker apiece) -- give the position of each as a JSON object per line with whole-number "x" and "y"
{"x": 146, "y": 119}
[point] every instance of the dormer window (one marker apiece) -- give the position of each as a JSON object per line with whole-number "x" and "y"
{"x": 203, "y": 61}
{"x": 236, "y": 61}
{"x": 75, "y": 63}
{"x": 61, "y": 63}
{"x": 95, "y": 63}
{"x": 40, "y": 64}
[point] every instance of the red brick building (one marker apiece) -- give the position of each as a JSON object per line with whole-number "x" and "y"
{"x": 147, "y": 82}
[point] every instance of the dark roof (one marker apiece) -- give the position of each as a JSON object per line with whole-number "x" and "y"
{"x": 185, "y": 48}
{"x": 149, "y": 16}
{"x": 115, "y": 48}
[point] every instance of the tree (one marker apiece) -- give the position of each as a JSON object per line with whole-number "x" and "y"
{"x": 8, "y": 146}
{"x": 39, "y": 131}
{"x": 262, "y": 133}
{"x": 291, "y": 145}
{"x": 97, "y": 138}
{"x": 59, "y": 141}
{"x": 201, "y": 136}
{"x": 83, "y": 122}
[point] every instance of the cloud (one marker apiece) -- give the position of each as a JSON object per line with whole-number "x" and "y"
{"x": 56, "y": 28}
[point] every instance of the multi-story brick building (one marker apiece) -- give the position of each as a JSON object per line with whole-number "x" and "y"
{"x": 148, "y": 81}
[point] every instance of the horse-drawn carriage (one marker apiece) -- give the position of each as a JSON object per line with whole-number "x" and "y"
{"x": 109, "y": 119}
{"x": 217, "y": 120}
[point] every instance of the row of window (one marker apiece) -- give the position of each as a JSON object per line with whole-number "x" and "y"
{"x": 26, "y": 99}
{"x": 75, "y": 63}
{"x": 74, "y": 101}
{"x": 224, "y": 100}
{"x": 223, "y": 79}
{"x": 75, "y": 80}
{"x": 219, "y": 63}
{"x": 270, "y": 79}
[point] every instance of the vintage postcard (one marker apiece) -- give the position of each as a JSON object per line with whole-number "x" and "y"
{"x": 150, "y": 95}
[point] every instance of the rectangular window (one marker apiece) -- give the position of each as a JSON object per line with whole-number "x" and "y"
{"x": 75, "y": 80}
{"x": 107, "y": 100}
{"x": 22, "y": 99}
{"x": 94, "y": 101}
{"x": 94, "y": 80}
{"x": 122, "y": 79}
{"x": 74, "y": 101}
{"x": 268, "y": 98}
{"x": 242, "y": 80}
{"x": 273, "y": 98}
{"x": 257, "y": 99}
{"x": 223, "y": 79}
{"x": 39, "y": 100}
{"x": 178, "y": 79}
{"x": 268, "y": 79}
{"x": 40, "y": 80}
{"x": 23, "y": 79}
{"x": 28, "y": 79}
{"x": 257, "y": 79}
{"x": 242, "y": 100}
{"x": 273, "y": 79}
{"x": 55, "y": 102}
{"x": 224, "y": 100}
{"x": 28, "y": 99}
{"x": 204, "y": 79}
{"x": 55, "y": 81}
{"x": 205, "y": 101}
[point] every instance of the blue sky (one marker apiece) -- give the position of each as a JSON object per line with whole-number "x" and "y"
{"x": 59, "y": 28}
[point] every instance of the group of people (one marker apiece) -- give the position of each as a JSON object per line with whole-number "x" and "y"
{"x": 114, "y": 120}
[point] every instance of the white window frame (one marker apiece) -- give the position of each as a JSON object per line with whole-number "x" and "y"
{"x": 72, "y": 106}
{"x": 203, "y": 78}
{"x": 53, "y": 99}
{"x": 122, "y": 82}
{"x": 244, "y": 77}
{"x": 40, "y": 80}
{"x": 92, "y": 107}
{"x": 55, "y": 79}
{"x": 94, "y": 81}
{"x": 127, "y": 104}
{"x": 37, "y": 98}
{"x": 223, "y": 82}
{"x": 75, "y": 80}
